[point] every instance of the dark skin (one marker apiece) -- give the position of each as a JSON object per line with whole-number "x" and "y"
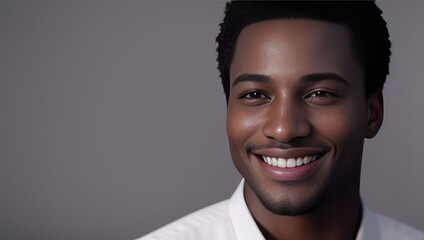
{"x": 297, "y": 93}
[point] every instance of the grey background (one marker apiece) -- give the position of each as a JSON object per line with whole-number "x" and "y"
{"x": 112, "y": 118}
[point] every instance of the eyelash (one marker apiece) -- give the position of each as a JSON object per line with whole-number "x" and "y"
{"x": 258, "y": 95}
{"x": 323, "y": 93}
{"x": 316, "y": 97}
{"x": 321, "y": 97}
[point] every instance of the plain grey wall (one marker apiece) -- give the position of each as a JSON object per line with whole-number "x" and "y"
{"x": 112, "y": 118}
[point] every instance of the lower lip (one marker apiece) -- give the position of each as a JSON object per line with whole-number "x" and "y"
{"x": 289, "y": 174}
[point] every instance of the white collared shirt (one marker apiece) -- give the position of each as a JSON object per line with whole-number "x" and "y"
{"x": 231, "y": 220}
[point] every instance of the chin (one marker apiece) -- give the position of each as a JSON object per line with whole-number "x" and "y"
{"x": 288, "y": 208}
{"x": 289, "y": 205}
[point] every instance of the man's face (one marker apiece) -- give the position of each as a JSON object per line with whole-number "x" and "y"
{"x": 297, "y": 113}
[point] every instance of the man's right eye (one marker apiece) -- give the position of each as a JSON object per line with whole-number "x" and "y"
{"x": 255, "y": 97}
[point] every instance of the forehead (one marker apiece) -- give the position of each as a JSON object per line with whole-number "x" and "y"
{"x": 293, "y": 46}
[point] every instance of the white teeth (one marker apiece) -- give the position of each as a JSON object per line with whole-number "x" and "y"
{"x": 269, "y": 160}
{"x": 306, "y": 160}
{"x": 282, "y": 163}
{"x": 289, "y": 163}
{"x": 274, "y": 162}
{"x": 299, "y": 162}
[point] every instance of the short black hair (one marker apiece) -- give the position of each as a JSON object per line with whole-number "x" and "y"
{"x": 370, "y": 36}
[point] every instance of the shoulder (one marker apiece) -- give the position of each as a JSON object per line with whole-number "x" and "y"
{"x": 393, "y": 229}
{"x": 212, "y": 222}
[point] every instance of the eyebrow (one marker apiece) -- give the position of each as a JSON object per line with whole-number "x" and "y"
{"x": 248, "y": 77}
{"x": 315, "y": 77}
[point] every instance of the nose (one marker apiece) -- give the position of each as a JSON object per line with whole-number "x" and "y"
{"x": 285, "y": 122}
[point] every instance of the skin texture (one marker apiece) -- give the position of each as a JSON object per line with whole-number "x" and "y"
{"x": 296, "y": 89}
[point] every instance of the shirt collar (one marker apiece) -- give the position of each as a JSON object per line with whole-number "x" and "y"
{"x": 246, "y": 229}
{"x": 368, "y": 230}
{"x": 243, "y": 223}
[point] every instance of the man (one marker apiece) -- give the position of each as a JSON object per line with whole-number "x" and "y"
{"x": 303, "y": 82}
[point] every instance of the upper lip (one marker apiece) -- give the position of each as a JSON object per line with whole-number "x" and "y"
{"x": 290, "y": 152}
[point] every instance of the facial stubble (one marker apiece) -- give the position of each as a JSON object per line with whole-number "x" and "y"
{"x": 284, "y": 204}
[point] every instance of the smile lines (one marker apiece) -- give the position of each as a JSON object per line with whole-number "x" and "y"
{"x": 289, "y": 163}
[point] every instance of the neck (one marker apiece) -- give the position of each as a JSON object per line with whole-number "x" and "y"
{"x": 338, "y": 217}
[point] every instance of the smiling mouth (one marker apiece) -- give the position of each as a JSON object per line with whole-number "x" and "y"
{"x": 290, "y": 162}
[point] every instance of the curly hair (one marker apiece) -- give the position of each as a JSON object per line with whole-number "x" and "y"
{"x": 370, "y": 36}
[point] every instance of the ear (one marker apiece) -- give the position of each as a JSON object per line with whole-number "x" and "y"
{"x": 375, "y": 114}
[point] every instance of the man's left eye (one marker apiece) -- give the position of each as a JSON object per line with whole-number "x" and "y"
{"x": 321, "y": 97}
{"x": 320, "y": 93}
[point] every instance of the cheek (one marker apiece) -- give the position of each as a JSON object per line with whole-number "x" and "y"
{"x": 241, "y": 128}
{"x": 345, "y": 128}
